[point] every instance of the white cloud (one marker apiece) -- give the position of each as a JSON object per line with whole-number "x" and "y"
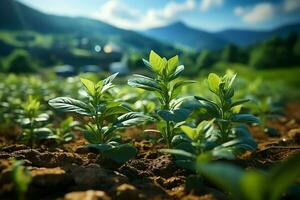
{"x": 291, "y": 5}
{"x": 206, "y": 4}
{"x": 239, "y": 11}
{"x": 121, "y": 15}
{"x": 259, "y": 13}
{"x": 265, "y": 11}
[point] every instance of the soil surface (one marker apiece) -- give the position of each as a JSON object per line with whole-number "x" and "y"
{"x": 73, "y": 172}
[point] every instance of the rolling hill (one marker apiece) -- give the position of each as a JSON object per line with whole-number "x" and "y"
{"x": 181, "y": 35}
{"x": 248, "y": 37}
{"x": 19, "y": 17}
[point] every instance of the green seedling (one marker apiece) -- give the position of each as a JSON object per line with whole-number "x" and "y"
{"x": 102, "y": 117}
{"x": 64, "y": 133}
{"x": 224, "y": 135}
{"x": 252, "y": 184}
{"x": 21, "y": 178}
{"x": 224, "y": 110}
{"x": 266, "y": 110}
{"x": 166, "y": 88}
{"x": 33, "y": 122}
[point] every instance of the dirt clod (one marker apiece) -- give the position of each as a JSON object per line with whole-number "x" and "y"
{"x": 87, "y": 195}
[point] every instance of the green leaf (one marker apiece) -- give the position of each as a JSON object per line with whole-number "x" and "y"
{"x": 148, "y": 65}
{"x": 68, "y": 137}
{"x": 253, "y": 185}
{"x": 191, "y": 133}
{"x": 21, "y": 177}
{"x": 116, "y": 110}
{"x": 225, "y": 176}
{"x": 176, "y": 115}
{"x": 231, "y": 149}
{"x": 178, "y": 152}
{"x": 212, "y": 109}
{"x": 177, "y": 87}
{"x": 157, "y": 63}
{"x": 110, "y": 78}
{"x": 42, "y": 117}
{"x": 178, "y": 70}
{"x": 144, "y": 83}
{"x": 66, "y": 123}
{"x": 121, "y": 153}
{"x": 214, "y": 82}
{"x": 92, "y": 137}
{"x": 245, "y": 118}
{"x": 67, "y": 104}
{"x": 283, "y": 176}
{"x": 89, "y": 85}
{"x": 202, "y": 99}
{"x": 231, "y": 80}
{"x": 182, "y": 83}
{"x": 100, "y": 147}
{"x": 130, "y": 119}
{"x": 236, "y": 109}
{"x": 223, "y": 153}
{"x": 107, "y": 83}
{"x": 98, "y": 86}
{"x": 43, "y": 133}
{"x": 239, "y": 102}
{"x": 172, "y": 64}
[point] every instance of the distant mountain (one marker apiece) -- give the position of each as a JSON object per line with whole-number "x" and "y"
{"x": 181, "y": 35}
{"x": 17, "y": 16}
{"x": 248, "y": 37}
{"x": 242, "y": 37}
{"x": 285, "y": 30}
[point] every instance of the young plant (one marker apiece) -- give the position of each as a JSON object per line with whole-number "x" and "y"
{"x": 64, "y": 133}
{"x": 225, "y": 135}
{"x": 32, "y": 122}
{"x": 266, "y": 110}
{"x": 164, "y": 85}
{"x": 228, "y": 122}
{"x": 21, "y": 178}
{"x": 104, "y": 116}
{"x": 252, "y": 184}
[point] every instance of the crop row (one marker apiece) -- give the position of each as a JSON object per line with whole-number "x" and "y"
{"x": 195, "y": 129}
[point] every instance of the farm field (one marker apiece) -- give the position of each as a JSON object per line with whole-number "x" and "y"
{"x": 149, "y": 100}
{"x": 151, "y": 138}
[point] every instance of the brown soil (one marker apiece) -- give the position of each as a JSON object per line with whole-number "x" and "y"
{"x": 74, "y": 173}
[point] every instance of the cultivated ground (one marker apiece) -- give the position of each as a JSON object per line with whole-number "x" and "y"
{"x": 75, "y": 173}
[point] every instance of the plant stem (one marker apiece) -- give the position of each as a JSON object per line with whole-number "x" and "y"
{"x": 31, "y": 136}
{"x": 168, "y": 135}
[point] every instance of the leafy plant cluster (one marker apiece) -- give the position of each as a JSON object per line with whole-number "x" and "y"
{"x": 165, "y": 86}
{"x": 223, "y": 133}
{"x": 101, "y": 114}
{"x": 36, "y": 126}
{"x": 104, "y": 117}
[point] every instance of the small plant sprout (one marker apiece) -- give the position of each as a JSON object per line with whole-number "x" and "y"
{"x": 32, "y": 122}
{"x": 266, "y": 109}
{"x": 164, "y": 85}
{"x": 21, "y": 178}
{"x": 104, "y": 116}
{"x": 64, "y": 132}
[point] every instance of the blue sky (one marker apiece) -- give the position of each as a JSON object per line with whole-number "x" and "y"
{"x": 212, "y": 15}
